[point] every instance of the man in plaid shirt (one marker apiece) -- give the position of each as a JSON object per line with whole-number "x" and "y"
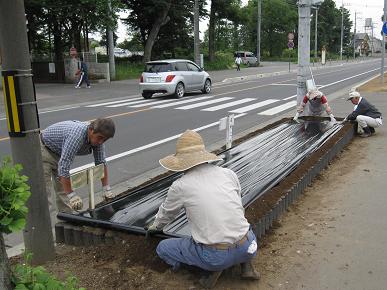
{"x": 60, "y": 143}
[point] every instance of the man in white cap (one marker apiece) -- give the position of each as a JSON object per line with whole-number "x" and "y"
{"x": 317, "y": 104}
{"x": 211, "y": 198}
{"x": 366, "y": 115}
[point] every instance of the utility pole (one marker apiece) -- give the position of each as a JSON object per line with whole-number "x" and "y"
{"x": 304, "y": 7}
{"x": 112, "y": 64}
{"x": 342, "y": 31}
{"x": 315, "y": 35}
{"x": 354, "y": 38}
{"x": 384, "y": 41}
{"x": 23, "y": 126}
{"x": 259, "y": 19}
{"x": 196, "y": 34}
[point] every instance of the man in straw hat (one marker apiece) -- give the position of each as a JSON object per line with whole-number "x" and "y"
{"x": 211, "y": 197}
{"x": 366, "y": 115}
{"x": 318, "y": 103}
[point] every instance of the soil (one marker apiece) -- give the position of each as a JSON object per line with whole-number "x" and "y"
{"x": 133, "y": 264}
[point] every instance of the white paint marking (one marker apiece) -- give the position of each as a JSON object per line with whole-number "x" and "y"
{"x": 151, "y": 103}
{"x": 288, "y": 98}
{"x": 278, "y": 109}
{"x": 182, "y": 102}
{"x": 135, "y": 150}
{"x": 201, "y": 104}
{"x": 128, "y": 103}
{"x": 111, "y": 103}
{"x": 227, "y": 105}
{"x": 254, "y": 106}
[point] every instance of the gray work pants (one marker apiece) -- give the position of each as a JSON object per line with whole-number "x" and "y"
{"x": 57, "y": 198}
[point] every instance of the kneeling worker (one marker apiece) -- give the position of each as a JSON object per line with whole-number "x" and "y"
{"x": 60, "y": 143}
{"x": 317, "y": 104}
{"x": 366, "y": 115}
{"x": 211, "y": 197}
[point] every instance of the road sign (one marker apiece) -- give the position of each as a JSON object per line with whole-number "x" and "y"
{"x": 291, "y": 44}
{"x": 290, "y": 36}
{"x": 384, "y": 28}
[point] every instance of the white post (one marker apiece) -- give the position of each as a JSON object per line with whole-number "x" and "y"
{"x": 90, "y": 176}
{"x": 230, "y": 124}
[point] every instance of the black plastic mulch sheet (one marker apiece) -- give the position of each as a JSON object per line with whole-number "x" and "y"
{"x": 260, "y": 163}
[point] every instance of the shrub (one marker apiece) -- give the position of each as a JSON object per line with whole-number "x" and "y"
{"x": 14, "y": 193}
{"x": 37, "y": 278}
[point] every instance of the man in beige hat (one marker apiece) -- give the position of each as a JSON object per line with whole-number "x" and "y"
{"x": 317, "y": 104}
{"x": 366, "y": 115}
{"x": 211, "y": 198}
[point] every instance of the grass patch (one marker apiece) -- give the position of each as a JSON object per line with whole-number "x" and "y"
{"x": 128, "y": 70}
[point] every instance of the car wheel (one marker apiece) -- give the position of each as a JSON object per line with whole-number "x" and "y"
{"x": 207, "y": 87}
{"x": 146, "y": 95}
{"x": 179, "y": 91}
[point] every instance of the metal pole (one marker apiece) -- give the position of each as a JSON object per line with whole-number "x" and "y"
{"x": 259, "y": 19}
{"x": 303, "y": 47}
{"x": 342, "y": 32}
{"x": 384, "y": 41}
{"x": 25, "y": 149}
{"x": 354, "y": 39}
{"x": 112, "y": 65}
{"x": 315, "y": 36}
{"x": 196, "y": 33}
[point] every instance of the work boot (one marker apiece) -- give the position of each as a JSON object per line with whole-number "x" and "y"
{"x": 248, "y": 272}
{"x": 372, "y": 129}
{"x": 210, "y": 281}
{"x": 366, "y": 133}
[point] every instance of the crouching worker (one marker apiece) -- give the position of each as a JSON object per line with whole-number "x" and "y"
{"x": 211, "y": 198}
{"x": 317, "y": 104}
{"x": 60, "y": 143}
{"x": 366, "y": 115}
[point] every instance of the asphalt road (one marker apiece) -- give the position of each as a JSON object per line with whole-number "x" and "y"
{"x": 147, "y": 129}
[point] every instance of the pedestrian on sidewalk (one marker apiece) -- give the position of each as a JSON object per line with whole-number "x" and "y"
{"x": 60, "y": 143}
{"x": 367, "y": 115}
{"x": 317, "y": 104}
{"x": 83, "y": 74}
{"x": 238, "y": 62}
{"x": 211, "y": 198}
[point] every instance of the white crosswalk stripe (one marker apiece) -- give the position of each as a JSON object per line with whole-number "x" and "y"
{"x": 279, "y": 109}
{"x": 201, "y": 104}
{"x": 128, "y": 103}
{"x": 151, "y": 103}
{"x": 227, "y": 105}
{"x": 253, "y": 106}
{"x": 182, "y": 102}
{"x": 111, "y": 103}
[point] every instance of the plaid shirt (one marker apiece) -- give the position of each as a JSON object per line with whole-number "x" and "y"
{"x": 70, "y": 138}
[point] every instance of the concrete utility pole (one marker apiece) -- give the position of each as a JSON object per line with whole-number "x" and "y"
{"x": 315, "y": 35}
{"x": 196, "y": 33}
{"x": 259, "y": 19}
{"x": 354, "y": 39}
{"x": 342, "y": 32}
{"x": 304, "y": 7}
{"x": 23, "y": 126}
{"x": 384, "y": 41}
{"x": 112, "y": 64}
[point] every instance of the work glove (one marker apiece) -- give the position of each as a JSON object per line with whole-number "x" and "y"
{"x": 295, "y": 119}
{"x": 107, "y": 192}
{"x": 74, "y": 201}
{"x": 332, "y": 118}
{"x": 152, "y": 230}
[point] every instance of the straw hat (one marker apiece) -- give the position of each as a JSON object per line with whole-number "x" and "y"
{"x": 190, "y": 151}
{"x": 315, "y": 94}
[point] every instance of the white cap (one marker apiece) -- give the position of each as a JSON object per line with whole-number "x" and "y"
{"x": 353, "y": 95}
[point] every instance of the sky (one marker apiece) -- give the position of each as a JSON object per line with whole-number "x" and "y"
{"x": 363, "y": 9}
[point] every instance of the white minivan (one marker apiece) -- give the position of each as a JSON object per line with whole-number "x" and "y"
{"x": 248, "y": 58}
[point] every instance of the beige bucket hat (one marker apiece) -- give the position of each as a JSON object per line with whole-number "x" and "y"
{"x": 190, "y": 151}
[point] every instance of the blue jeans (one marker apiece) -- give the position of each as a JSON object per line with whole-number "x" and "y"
{"x": 187, "y": 251}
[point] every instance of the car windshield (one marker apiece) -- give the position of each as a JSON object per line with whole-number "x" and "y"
{"x": 158, "y": 67}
